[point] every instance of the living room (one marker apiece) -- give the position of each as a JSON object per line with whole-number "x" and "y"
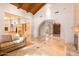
{"x": 38, "y": 29}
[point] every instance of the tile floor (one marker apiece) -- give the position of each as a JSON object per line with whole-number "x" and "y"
{"x": 53, "y": 47}
{"x": 71, "y": 50}
{"x": 40, "y": 47}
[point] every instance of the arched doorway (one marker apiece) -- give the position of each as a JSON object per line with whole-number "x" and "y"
{"x": 45, "y": 28}
{"x": 49, "y": 27}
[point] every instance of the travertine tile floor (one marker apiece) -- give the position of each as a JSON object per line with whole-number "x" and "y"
{"x": 53, "y": 47}
{"x": 71, "y": 50}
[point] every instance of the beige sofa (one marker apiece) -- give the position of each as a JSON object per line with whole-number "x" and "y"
{"x": 9, "y": 43}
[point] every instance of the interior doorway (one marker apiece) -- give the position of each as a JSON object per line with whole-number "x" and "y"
{"x": 56, "y": 29}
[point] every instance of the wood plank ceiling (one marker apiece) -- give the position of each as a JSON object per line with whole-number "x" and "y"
{"x": 29, "y": 7}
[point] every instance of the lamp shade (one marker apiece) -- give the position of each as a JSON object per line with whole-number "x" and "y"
{"x": 76, "y": 29}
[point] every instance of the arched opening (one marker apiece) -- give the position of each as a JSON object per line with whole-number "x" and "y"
{"x": 45, "y": 28}
{"x": 49, "y": 27}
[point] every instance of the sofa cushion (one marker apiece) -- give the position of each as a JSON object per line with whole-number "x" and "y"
{"x": 5, "y": 38}
{"x": 21, "y": 39}
{"x": 15, "y": 37}
{"x": 6, "y": 44}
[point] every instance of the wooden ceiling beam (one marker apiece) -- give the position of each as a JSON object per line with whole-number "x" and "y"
{"x": 20, "y": 5}
{"x": 36, "y": 8}
{"x": 25, "y": 6}
{"x": 29, "y": 7}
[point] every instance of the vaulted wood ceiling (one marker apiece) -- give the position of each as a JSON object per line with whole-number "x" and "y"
{"x": 29, "y": 7}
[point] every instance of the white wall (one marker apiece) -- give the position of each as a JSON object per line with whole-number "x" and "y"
{"x": 65, "y": 17}
{"x": 77, "y": 14}
{"x": 5, "y": 7}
